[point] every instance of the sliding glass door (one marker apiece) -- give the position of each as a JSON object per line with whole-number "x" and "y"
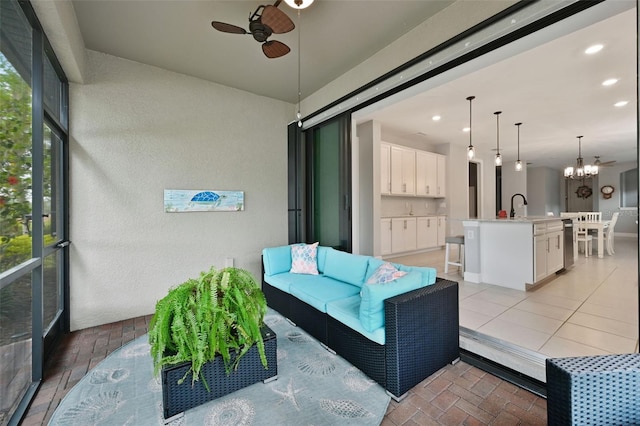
{"x": 320, "y": 184}
{"x": 33, "y": 206}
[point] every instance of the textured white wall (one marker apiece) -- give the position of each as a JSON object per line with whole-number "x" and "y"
{"x": 137, "y": 130}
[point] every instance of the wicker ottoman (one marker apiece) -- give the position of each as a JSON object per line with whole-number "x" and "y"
{"x": 593, "y": 390}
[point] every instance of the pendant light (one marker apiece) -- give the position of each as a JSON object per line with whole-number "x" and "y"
{"x": 498, "y": 156}
{"x": 580, "y": 170}
{"x": 470, "y": 150}
{"x": 518, "y": 162}
{"x": 298, "y": 114}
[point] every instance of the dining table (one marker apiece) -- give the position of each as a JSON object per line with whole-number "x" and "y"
{"x": 597, "y": 225}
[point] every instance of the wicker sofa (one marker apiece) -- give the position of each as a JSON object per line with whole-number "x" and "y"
{"x": 420, "y": 329}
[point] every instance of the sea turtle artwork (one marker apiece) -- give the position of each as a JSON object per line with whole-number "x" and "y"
{"x": 178, "y": 200}
{"x": 207, "y": 198}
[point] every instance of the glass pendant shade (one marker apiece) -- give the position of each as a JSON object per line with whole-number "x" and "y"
{"x": 498, "y": 160}
{"x": 518, "y": 166}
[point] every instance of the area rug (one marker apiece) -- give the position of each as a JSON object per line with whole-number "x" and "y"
{"x": 314, "y": 387}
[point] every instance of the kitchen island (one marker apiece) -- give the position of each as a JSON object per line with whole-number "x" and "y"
{"x": 513, "y": 252}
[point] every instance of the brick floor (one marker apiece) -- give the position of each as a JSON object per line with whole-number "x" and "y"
{"x": 458, "y": 394}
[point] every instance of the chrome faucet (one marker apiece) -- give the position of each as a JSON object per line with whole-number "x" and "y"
{"x": 513, "y": 212}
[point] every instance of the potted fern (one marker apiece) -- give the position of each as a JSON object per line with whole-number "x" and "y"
{"x": 202, "y": 329}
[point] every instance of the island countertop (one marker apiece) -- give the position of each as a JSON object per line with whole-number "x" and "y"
{"x": 519, "y": 220}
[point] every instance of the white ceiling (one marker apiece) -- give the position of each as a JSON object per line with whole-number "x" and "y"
{"x": 177, "y": 35}
{"x": 553, "y": 89}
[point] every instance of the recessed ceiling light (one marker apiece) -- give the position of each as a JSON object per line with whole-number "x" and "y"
{"x": 593, "y": 49}
{"x": 465, "y": 129}
{"x": 620, "y": 104}
{"x": 610, "y": 82}
{"x": 436, "y": 118}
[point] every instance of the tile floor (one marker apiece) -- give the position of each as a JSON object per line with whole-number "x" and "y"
{"x": 455, "y": 395}
{"x": 590, "y": 309}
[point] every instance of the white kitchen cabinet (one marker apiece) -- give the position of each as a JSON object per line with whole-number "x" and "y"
{"x": 441, "y": 176}
{"x": 427, "y": 232}
{"x": 385, "y": 169}
{"x": 403, "y": 234}
{"x": 430, "y": 174}
{"x": 403, "y": 171}
{"x": 385, "y": 236}
{"x": 541, "y": 248}
{"x": 555, "y": 259}
{"x": 426, "y": 174}
{"x": 442, "y": 230}
{"x": 548, "y": 249}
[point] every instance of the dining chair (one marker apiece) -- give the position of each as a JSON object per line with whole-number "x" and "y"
{"x": 608, "y": 233}
{"x": 592, "y": 216}
{"x": 581, "y": 235}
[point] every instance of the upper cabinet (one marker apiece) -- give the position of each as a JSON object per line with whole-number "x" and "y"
{"x": 385, "y": 169}
{"x": 430, "y": 174}
{"x": 405, "y": 171}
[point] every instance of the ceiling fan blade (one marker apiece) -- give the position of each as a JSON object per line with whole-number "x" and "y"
{"x": 606, "y": 163}
{"x": 275, "y": 49}
{"x": 228, "y": 28}
{"x": 277, "y": 20}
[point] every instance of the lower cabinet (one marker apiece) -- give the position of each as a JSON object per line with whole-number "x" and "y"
{"x": 385, "y": 236}
{"x": 427, "y": 233}
{"x": 403, "y": 234}
{"x": 548, "y": 251}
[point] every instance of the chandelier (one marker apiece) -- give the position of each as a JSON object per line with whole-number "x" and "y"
{"x": 581, "y": 170}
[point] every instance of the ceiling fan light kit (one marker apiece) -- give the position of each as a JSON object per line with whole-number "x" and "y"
{"x": 265, "y": 21}
{"x": 298, "y": 4}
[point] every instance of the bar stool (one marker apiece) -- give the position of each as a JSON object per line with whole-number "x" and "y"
{"x": 459, "y": 240}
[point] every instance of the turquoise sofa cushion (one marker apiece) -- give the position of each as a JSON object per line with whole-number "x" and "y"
{"x": 428, "y": 274}
{"x": 346, "y": 267}
{"x": 373, "y": 264}
{"x": 347, "y": 311}
{"x": 283, "y": 281}
{"x": 320, "y": 291}
{"x": 373, "y": 296}
{"x": 276, "y": 259}
{"x": 322, "y": 257}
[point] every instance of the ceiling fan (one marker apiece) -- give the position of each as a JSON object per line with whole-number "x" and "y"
{"x": 266, "y": 20}
{"x": 602, "y": 163}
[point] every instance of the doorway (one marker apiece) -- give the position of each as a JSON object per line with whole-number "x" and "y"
{"x": 474, "y": 190}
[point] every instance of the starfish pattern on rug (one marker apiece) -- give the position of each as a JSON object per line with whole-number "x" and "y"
{"x": 289, "y": 394}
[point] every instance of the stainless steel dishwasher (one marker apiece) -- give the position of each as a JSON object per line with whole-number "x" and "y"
{"x": 568, "y": 242}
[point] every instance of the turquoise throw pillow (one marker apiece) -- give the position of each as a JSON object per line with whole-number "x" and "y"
{"x": 373, "y": 296}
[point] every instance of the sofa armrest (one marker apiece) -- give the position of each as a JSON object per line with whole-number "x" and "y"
{"x": 422, "y": 334}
